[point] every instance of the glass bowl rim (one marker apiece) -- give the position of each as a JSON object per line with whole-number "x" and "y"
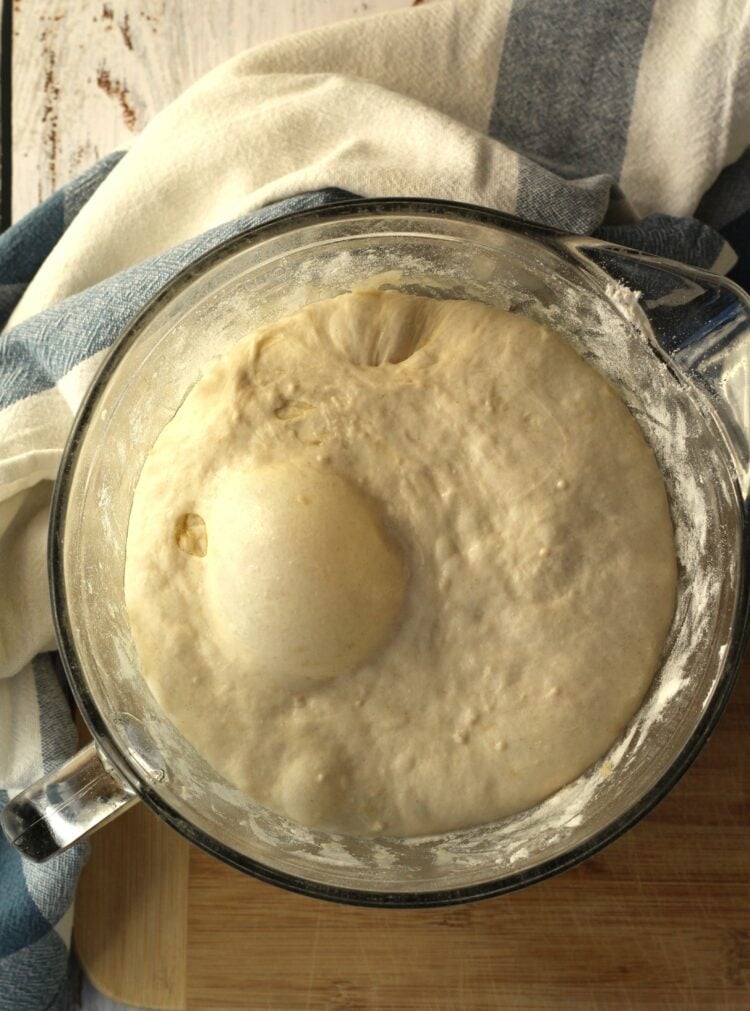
{"x": 127, "y": 770}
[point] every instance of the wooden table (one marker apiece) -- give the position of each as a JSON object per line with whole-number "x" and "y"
{"x": 659, "y": 920}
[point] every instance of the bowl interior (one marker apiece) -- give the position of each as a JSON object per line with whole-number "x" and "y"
{"x": 255, "y": 280}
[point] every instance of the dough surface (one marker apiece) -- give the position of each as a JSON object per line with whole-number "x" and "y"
{"x": 400, "y": 565}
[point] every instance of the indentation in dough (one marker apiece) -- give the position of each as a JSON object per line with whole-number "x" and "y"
{"x": 191, "y": 535}
{"x": 386, "y": 352}
{"x": 372, "y": 332}
{"x": 290, "y": 410}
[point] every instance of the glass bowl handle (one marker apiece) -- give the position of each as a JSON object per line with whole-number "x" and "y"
{"x": 66, "y": 805}
{"x": 700, "y": 320}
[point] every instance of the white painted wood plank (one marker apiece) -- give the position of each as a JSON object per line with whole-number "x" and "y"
{"x": 88, "y": 74}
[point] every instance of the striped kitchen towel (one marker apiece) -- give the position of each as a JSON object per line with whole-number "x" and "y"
{"x": 628, "y": 120}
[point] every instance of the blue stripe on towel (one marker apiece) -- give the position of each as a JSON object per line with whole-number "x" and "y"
{"x": 584, "y": 57}
{"x": 35, "y": 354}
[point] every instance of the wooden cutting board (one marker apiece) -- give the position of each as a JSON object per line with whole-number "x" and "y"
{"x": 661, "y": 919}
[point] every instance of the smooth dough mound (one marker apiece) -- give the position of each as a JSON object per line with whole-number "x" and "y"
{"x": 400, "y": 565}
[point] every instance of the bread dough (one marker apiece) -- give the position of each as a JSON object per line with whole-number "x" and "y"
{"x": 400, "y": 565}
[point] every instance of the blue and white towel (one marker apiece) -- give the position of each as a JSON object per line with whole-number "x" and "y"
{"x": 629, "y": 120}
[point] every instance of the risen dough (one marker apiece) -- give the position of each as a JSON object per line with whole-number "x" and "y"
{"x": 302, "y": 582}
{"x": 400, "y": 565}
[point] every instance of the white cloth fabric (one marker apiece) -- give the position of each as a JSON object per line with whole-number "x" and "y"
{"x": 397, "y": 104}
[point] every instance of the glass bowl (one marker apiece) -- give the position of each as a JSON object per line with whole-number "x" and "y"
{"x": 675, "y": 342}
